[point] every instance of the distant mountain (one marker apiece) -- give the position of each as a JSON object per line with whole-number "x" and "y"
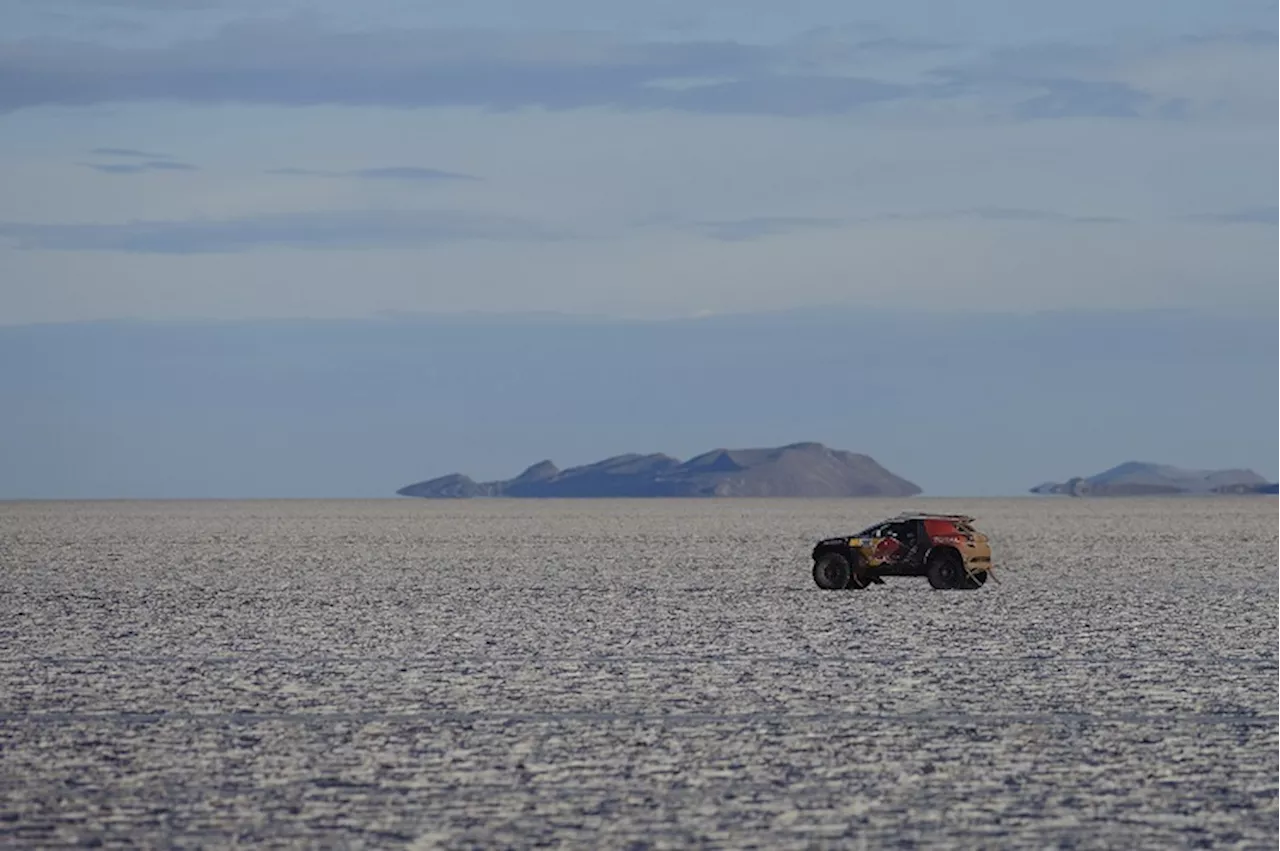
{"x": 1140, "y": 478}
{"x": 797, "y": 470}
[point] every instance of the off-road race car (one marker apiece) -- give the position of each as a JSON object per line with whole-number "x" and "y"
{"x": 945, "y": 548}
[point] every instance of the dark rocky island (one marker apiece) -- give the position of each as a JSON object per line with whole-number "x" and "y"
{"x": 797, "y": 470}
{"x": 1140, "y": 478}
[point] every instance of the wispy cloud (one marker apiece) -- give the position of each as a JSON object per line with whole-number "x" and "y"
{"x": 148, "y": 5}
{"x": 748, "y": 229}
{"x": 1085, "y": 98}
{"x": 346, "y": 230}
{"x": 1017, "y": 214}
{"x": 857, "y": 42}
{"x": 292, "y": 63}
{"x": 150, "y": 161}
{"x": 1042, "y": 96}
{"x": 383, "y": 229}
{"x": 790, "y": 95}
{"x": 398, "y": 172}
{"x": 140, "y": 168}
{"x": 745, "y": 230}
{"x": 133, "y": 153}
{"x": 821, "y": 72}
{"x": 1251, "y": 216}
{"x": 1123, "y": 80}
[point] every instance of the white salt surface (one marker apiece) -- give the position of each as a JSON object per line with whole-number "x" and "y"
{"x": 632, "y": 674}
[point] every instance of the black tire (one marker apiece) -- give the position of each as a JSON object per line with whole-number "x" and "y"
{"x": 945, "y": 570}
{"x": 831, "y": 571}
{"x": 974, "y": 581}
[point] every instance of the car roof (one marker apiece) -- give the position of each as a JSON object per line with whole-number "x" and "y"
{"x": 925, "y": 515}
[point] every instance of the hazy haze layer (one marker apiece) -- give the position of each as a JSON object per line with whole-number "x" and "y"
{"x": 988, "y": 405}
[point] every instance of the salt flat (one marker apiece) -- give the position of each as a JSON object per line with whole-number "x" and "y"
{"x": 606, "y": 674}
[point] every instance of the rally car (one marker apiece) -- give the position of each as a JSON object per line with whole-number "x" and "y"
{"x": 945, "y": 548}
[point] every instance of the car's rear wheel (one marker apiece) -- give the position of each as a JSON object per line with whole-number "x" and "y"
{"x": 945, "y": 570}
{"x": 831, "y": 571}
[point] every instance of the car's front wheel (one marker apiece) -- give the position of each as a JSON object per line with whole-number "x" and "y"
{"x": 831, "y": 571}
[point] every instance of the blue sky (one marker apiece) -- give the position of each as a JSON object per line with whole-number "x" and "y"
{"x": 222, "y": 158}
{"x": 173, "y": 160}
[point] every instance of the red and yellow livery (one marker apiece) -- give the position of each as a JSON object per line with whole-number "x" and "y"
{"x": 945, "y": 548}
